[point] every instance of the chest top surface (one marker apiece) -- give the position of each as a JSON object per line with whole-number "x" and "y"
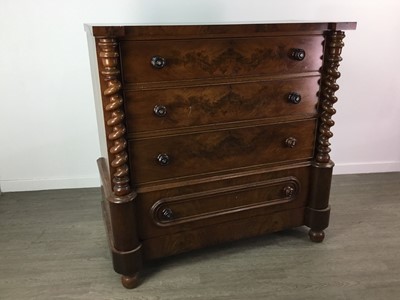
{"x": 155, "y": 31}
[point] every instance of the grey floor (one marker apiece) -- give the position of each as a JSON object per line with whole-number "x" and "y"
{"x": 53, "y": 246}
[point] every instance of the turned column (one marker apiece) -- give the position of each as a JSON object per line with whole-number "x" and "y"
{"x": 120, "y": 199}
{"x": 318, "y": 209}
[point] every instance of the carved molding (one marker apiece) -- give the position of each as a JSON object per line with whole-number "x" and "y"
{"x": 118, "y": 155}
{"x": 330, "y": 73}
{"x": 163, "y": 210}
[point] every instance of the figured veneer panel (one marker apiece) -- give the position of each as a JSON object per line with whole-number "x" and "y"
{"x": 206, "y": 58}
{"x": 212, "y": 234}
{"x": 201, "y": 204}
{"x": 187, "y": 208}
{"x": 218, "y": 150}
{"x": 196, "y": 106}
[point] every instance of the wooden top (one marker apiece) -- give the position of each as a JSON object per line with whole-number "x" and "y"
{"x": 153, "y": 31}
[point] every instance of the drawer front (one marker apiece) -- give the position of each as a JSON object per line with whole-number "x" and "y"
{"x": 194, "y": 106}
{"x": 169, "y": 211}
{"x": 184, "y": 155}
{"x": 171, "y": 60}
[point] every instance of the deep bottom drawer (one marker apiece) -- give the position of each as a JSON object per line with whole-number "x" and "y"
{"x": 218, "y": 233}
{"x": 235, "y": 197}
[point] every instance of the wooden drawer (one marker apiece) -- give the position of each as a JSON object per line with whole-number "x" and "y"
{"x": 192, "y": 206}
{"x": 205, "y": 152}
{"x": 213, "y": 58}
{"x": 195, "y": 106}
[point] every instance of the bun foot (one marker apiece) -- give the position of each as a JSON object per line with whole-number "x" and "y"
{"x": 316, "y": 236}
{"x": 130, "y": 282}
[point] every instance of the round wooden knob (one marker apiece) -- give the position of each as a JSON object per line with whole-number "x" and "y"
{"x": 294, "y": 97}
{"x": 288, "y": 191}
{"x": 167, "y": 214}
{"x": 160, "y": 110}
{"x": 290, "y": 142}
{"x": 298, "y": 54}
{"x": 163, "y": 159}
{"x": 158, "y": 62}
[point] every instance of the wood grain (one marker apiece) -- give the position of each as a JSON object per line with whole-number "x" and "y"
{"x": 221, "y": 201}
{"x": 213, "y": 151}
{"x": 197, "y": 106}
{"x": 199, "y": 58}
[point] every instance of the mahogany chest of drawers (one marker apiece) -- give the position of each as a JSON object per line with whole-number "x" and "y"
{"x": 212, "y": 133}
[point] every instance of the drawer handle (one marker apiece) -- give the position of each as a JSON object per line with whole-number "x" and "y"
{"x": 158, "y": 62}
{"x": 167, "y": 214}
{"x": 290, "y": 142}
{"x": 294, "y": 97}
{"x": 288, "y": 191}
{"x": 298, "y": 54}
{"x": 160, "y": 110}
{"x": 163, "y": 159}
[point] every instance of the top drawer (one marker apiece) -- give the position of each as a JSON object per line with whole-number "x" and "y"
{"x": 210, "y": 58}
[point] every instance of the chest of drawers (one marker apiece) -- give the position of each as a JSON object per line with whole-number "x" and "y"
{"x": 212, "y": 133}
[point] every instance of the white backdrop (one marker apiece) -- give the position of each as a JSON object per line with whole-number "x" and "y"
{"x": 47, "y": 117}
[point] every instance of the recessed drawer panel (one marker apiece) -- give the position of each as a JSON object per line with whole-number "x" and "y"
{"x": 169, "y": 211}
{"x": 190, "y": 154}
{"x": 187, "y": 208}
{"x": 171, "y": 60}
{"x": 194, "y": 106}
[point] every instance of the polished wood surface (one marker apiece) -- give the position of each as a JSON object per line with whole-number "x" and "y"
{"x": 225, "y": 103}
{"x": 318, "y": 210}
{"x": 170, "y": 31}
{"x": 214, "y": 133}
{"x": 204, "y": 204}
{"x": 214, "y": 151}
{"x": 330, "y": 73}
{"x": 114, "y": 115}
{"x": 118, "y": 196}
{"x": 199, "y": 58}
